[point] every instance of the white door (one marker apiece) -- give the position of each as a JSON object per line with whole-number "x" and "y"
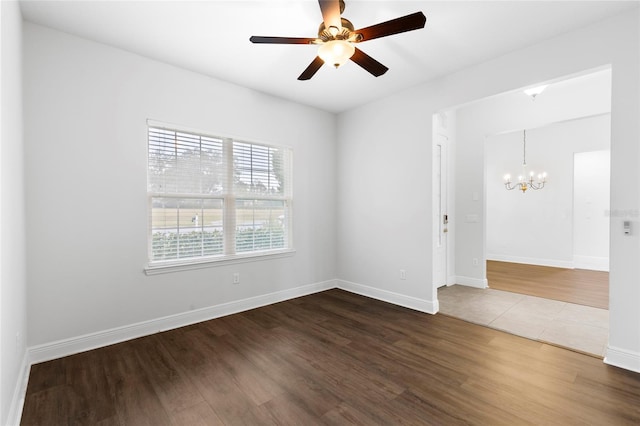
{"x": 441, "y": 219}
{"x": 591, "y": 194}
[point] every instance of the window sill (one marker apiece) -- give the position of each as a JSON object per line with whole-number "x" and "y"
{"x": 188, "y": 265}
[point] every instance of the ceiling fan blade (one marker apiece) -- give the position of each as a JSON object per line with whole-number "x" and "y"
{"x": 368, "y": 63}
{"x": 411, "y": 22}
{"x": 311, "y": 69}
{"x": 331, "y": 13}
{"x": 281, "y": 40}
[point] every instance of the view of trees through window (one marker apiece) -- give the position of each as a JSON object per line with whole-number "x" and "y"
{"x": 215, "y": 197}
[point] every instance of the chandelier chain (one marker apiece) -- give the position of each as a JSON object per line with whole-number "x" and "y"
{"x": 524, "y": 149}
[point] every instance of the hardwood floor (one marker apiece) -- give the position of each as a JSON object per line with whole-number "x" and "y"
{"x": 579, "y": 286}
{"x": 331, "y": 358}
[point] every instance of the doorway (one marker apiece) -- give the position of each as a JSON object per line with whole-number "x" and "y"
{"x": 440, "y": 201}
{"x": 538, "y": 241}
{"x": 565, "y": 103}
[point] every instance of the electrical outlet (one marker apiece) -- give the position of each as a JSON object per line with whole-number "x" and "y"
{"x": 475, "y": 261}
{"x": 403, "y": 274}
{"x": 236, "y": 277}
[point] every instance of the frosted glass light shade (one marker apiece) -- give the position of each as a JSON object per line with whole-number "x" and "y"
{"x": 336, "y": 52}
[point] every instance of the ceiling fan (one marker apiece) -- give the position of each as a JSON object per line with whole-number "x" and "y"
{"x": 337, "y": 36}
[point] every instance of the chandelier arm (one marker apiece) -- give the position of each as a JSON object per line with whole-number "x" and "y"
{"x": 537, "y": 185}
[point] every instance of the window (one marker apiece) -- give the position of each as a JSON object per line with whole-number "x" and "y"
{"x": 214, "y": 198}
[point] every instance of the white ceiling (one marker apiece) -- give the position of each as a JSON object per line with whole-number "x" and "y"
{"x": 212, "y": 38}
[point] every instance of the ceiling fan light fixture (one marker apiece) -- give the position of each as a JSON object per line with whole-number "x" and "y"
{"x": 336, "y": 52}
{"x": 337, "y": 38}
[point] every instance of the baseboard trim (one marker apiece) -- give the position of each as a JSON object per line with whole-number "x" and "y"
{"x": 554, "y": 263}
{"x": 591, "y": 262}
{"x": 622, "y": 358}
{"x": 472, "y": 282}
{"x": 20, "y": 392}
{"x": 65, "y": 347}
{"x": 422, "y": 305}
{"x": 615, "y": 356}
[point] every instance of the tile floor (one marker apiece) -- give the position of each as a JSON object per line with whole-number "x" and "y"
{"x": 578, "y": 327}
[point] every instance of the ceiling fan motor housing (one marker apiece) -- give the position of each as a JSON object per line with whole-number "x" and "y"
{"x": 345, "y": 33}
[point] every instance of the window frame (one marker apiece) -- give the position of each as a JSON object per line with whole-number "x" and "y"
{"x": 229, "y": 198}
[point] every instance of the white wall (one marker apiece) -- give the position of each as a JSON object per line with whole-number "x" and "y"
{"x": 384, "y": 164}
{"x": 86, "y": 107}
{"x": 537, "y": 227}
{"x": 13, "y": 312}
{"x": 591, "y": 210}
{"x": 384, "y": 199}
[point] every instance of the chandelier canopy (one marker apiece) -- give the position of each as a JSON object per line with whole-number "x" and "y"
{"x": 525, "y": 181}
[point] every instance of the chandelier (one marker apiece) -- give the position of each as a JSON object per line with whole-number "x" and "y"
{"x": 525, "y": 181}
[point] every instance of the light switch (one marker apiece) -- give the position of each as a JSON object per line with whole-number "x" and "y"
{"x": 627, "y": 227}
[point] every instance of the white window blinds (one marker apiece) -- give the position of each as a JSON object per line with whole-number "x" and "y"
{"x": 182, "y": 163}
{"x": 213, "y": 197}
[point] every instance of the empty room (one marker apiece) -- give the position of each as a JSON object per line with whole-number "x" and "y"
{"x": 248, "y": 212}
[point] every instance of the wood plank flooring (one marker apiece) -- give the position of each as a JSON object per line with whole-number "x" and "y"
{"x": 579, "y": 286}
{"x": 332, "y": 358}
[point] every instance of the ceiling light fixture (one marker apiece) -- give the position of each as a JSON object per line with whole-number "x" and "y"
{"x": 337, "y": 38}
{"x": 336, "y": 52}
{"x": 525, "y": 182}
{"x": 535, "y": 91}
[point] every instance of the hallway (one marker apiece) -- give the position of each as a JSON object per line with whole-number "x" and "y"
{"x": 578, "y": 327}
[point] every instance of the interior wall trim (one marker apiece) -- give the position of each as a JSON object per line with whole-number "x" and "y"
{"x": 65, "y": 347}
{"x": 622, "y": 358}
{"x": 422, "y": 305}
{"x": 472, "y": 282}
{"x": 73, "y": 345}
{"x": 555, "y": 263}
{"x": 48, "y": 351}
{"x": 70, "y": 346}
{"x": 20, "y": 392}
{"x": 591, "y": 262}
